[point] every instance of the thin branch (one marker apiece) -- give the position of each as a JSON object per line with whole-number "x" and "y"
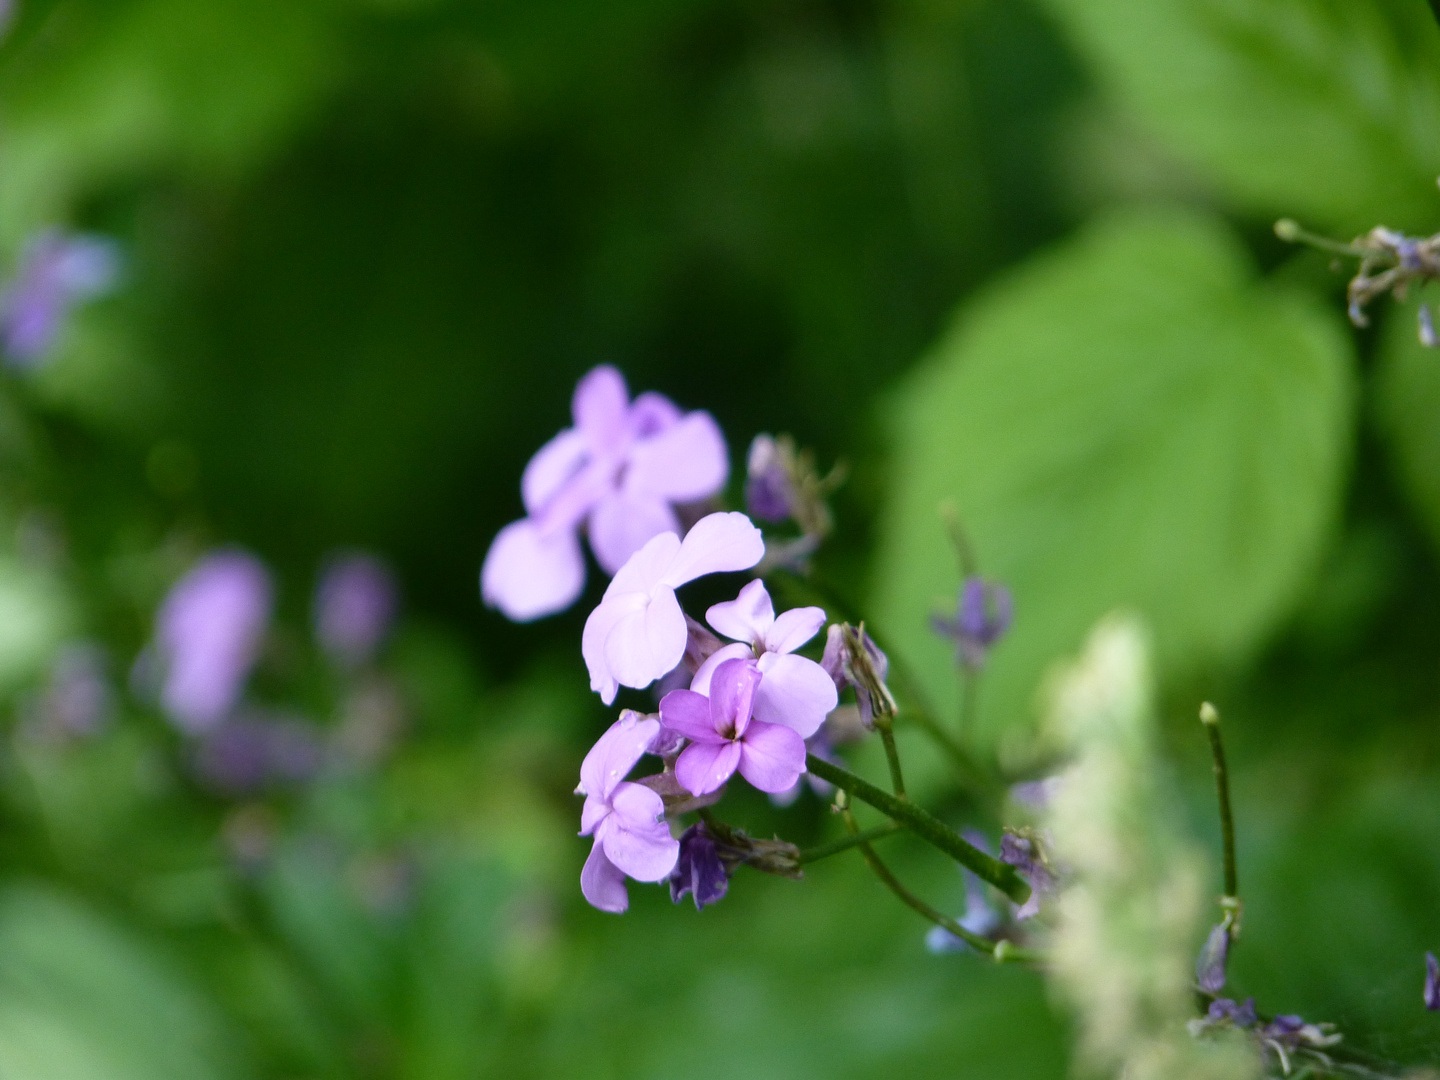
{"x": 892, "y": 755}
{"x": 845, "y": 843}
{"x": 1210, "y": 717}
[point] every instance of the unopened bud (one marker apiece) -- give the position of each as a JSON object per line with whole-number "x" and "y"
{"x": 1287, "y": 230}
{"x": 1209, "y": 714}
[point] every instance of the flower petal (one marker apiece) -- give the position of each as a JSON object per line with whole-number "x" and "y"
{"x": 553, "y": 464}
{"x": 795, "y": 692}
{"x": 706, "y": 672}
{"x": 648, "y": 642}
{"x": 652, "y": 413}
{"x": 623, "y": 521}
{"x": 732, "y": 695}
{"x": 635, "y": 838}
{"x": 772, "y": 757}
{"x": 683, "y": 463}
{"x": 703, "y": 767}
{"x": 794, "y": 628}
{"x": 717, "y": 543}
{"x": 592, "y": 813}
{"x": 615, "y": 754}
{"x": 688, "y": 713}
{"x": 647, "y": 567}
{"x": 527, "y": 575}
{"x": 602, "y": 882}
{"x": 597, "y": 631}
{"x": 601, "y": 408}
{"x": 748, "y": 617}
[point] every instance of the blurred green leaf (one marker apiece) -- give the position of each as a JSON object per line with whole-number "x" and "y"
{"x": 1325, "y": 110}
{"x": 1407, "y": 407}
{"x": 80, "y": 998}
{"x": 1130, "y": 421}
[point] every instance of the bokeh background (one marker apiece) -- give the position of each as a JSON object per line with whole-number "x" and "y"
{"x": 1011, "y": 254}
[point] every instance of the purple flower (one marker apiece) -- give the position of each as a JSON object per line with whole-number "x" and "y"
{"x": 1023, "y": 853}
{"x": 1210, "y": 965}
{"x": 982, "y": 615}
{"x": 851, "y": 659}
{"x": 699, "y": 871}
{"x": 724, "y": 736}
{"x": 619, "y": 470}
{"x": 354, "y": 605}
{"x": 769, "y": 493}
{"x": 638, "y": 632}
{"x": 627, "y": 820}
{"x": 795, "y": 692}
{"x": 208, "y": 635}
{"x": 56, "y": 271}
{"x": 255, "y": 751}
{"x": 1432, "y": 983}
{"x": 980, "y": 917}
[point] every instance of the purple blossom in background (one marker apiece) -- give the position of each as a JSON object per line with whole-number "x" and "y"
{"x": 981, "y": 618}
{"x": 980, "y": 917}
{"x": 251, "y": 752}
{"x": 620, "y": 470}
{"x": 1432, "y": 983}
{"x": 627, "y": 820}
{"x": 769, "y": 494}
{"x": 1022, "y": 853}
{"x": 699, "y": 871}
{"x": 354, "y": 605}
{"x": 208, "y": 635}
{"x": 795, "y": 692}
{"x": 725, "y": 737}
{"x": 56, "y": 271}
{"x": 77, "y": 699}
{"x": 638, "y": 632}
{"x": 1210, "y": 965}
{"x": 1224, "y": 1012}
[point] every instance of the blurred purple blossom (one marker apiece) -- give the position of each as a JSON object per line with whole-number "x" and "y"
{"x": 1432, "y": 983}
{"x": 208, "y": 636}
{"x": 982, "y": 615}
{"x": 699, "y": 871}
{"x": 255, "y": 751}
{"x": 77, "y": 699}
{"x": 620, "y": 471}
{"x": 55, "y": 271}
{"x": 1210, "y": 965}
{"x": 354, "y": 606}
{"x": 1023, "y": 853}
{"x": 769, "y": 493}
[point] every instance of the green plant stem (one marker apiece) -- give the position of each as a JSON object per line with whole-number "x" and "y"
{"x": 926, "y": 826}
{"x": 845, "y": 843}
{"x": 1210, "y": 718}
{"x": 892, "y": 755}
{"x": 910, "y": 900}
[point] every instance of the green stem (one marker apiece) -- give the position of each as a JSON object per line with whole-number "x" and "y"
{"x": 1211, "y": 719}
{"x": 892, "y": 755}
{"x": 926, "y": 826}
{"x": 845, "y": 843}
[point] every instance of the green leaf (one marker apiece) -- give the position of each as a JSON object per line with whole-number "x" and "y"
{"x": 1130, "y": 421}
{"x": 1407, "y": 407}
{"x": 1325, "y": 110}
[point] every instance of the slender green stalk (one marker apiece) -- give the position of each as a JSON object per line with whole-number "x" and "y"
{"x": 1292, "y": 233}
{"x": 1210, "y": 717}
{"x": 926, "y": 826}
{"x": 1003, "y": 955}
{"x": 892, "y": 755}
{"x": 845, "y": 843}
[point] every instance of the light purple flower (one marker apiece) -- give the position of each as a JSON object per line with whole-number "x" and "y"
{"x": 55, "y": 271}
{"x": 769, "y": 492}
{"x": 1210, "y": 965}
{"x": 638, "y": 632}
{"x": 700, "y": 871}
{"x": 627, "y": 820}
{"x": 619, "y": 470}
{"x": 725, "y": 736}
{"x": 354, "y": 605}
{"x": 982, "y": 616}
{"x": 208, "y": 636}
{"x": 795, "y": 692}
{"x": 1022, "y": 853}
{"x": 1432, "y": 983}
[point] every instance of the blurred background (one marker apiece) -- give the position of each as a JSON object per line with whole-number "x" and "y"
{"x": 334, "y": 267}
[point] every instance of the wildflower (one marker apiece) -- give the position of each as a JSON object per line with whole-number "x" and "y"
{"x": 619, "y": 470}
{"x": 626, "y": 819}
{"x": 1210, "y": 965}
{"x": 77, "y": 699}
{"x": 851, "y": 659}
{"x": 638, "y": 632}
{"x": 982, "y": 616}
{"x": 1223, "y": 1012}
{"x": 795, "y": 692}
{"x": 1432, "y": 983}
{"x": 699, "y": 871}
{"x": 1284, "y": 1035}
{"x": 724, "y": 736}
{"x": 769, "y": 494}
{"x": 208, "y": 635}
{"x": 354, "y": 605}
{"x": 980, "y": 918}
{"x": 1023, "y": 853}
{"x": 56, "y": 271}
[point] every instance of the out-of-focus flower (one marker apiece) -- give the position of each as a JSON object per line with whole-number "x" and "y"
{"x": 1036, "y": 794}
{"x": 769, "y": 494}
{"x": 56, "y": 271}
{"x": 1284, "y": 1035}
{"x": 208, "y": 636}
{"x": 725, "y": 737}
{"x": 795, "y": 692}
{"x": 1023, "y": 853}
{"x": 1224, "y": 1012}
{"x": 638, "y": 632}
{"x": 1432, "y": 983}
{"x": 981, "y": 917}
{"x": 77, "y": 699}
{"x": 255, "y": 751}
{"x": 354, "y": 605}
{"x": 699, "y": 871}
{"x": 851, "y": 659}
{"x": 626, "y": 819}
{"x": 982, "y": 615}
{"x": 1210, "y": 965}
{"x": 621, "y": 469}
